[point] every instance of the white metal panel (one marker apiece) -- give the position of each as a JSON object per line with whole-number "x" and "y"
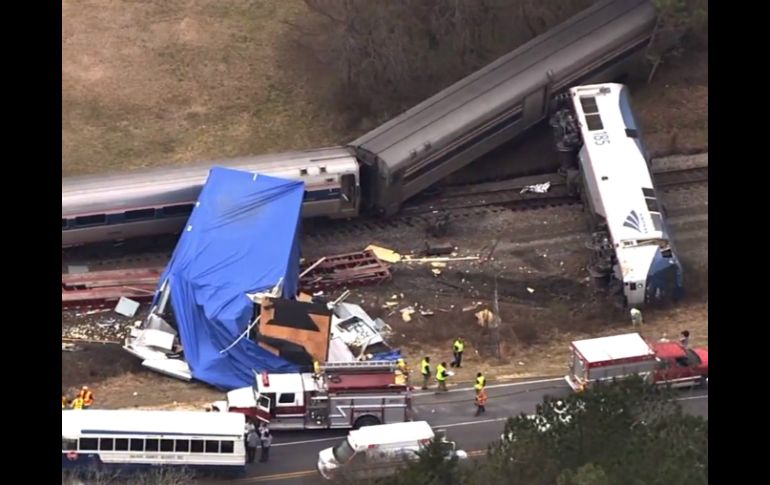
{"x": 387, "y": 434}
{"x": 280, "y": 383}
{"x": 615, "y": 347}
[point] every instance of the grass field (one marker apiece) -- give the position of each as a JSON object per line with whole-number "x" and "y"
{"x": 159, "y": 82}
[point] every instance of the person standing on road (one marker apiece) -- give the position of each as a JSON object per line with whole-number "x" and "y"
{"x": 685, "y": 340}
{"x": 425, "y": 370}
{"x": 457, "y": 350}
{"x": 267, "y": 440}
{"x": 481, "y": 382}
{"x": 481, "y": 401}
{"x": 441, "y": 375}
{"x": 252, "y": 440}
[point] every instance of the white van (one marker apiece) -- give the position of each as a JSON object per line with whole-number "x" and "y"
{"x": 377, "y": 451}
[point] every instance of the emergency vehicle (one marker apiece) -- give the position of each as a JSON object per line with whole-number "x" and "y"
{"x": 619, "y": 356}
{"x": 341, "y": 395}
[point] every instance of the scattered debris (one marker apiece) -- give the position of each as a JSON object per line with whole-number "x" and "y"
{"x": 65, "y": 347}
{"x": 485, "y": 317}
{"x": 438, "y": 249}
{"x": 438, "y": 264}
{"x": 127, "y": 307}
{"x": 408, "y": 259}
{"x": 384, "y": 254}
{"x": 435, "y": 271}
{"x": 531, "y": 290}
{"x": 390, "y": 304}
{"x": 471, "y": 307}
{"x": 406, "y": 314}
{"x": 426, "y": 313}
{"x": 537, "y": 188}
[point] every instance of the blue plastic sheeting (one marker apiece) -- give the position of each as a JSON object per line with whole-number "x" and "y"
{"x": 392, "y": 355}
{"x": 242, "y": 237}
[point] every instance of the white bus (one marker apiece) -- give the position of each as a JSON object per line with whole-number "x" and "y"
{"x": 139, "y": 439}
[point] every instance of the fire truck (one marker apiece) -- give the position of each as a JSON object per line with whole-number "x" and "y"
{"x": 619, "y": 356}
{"x": 339, "y": 395}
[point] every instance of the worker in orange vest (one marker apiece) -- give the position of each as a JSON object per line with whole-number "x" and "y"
{"x": 481, "y": 401}
{"x": 87, "y": 396}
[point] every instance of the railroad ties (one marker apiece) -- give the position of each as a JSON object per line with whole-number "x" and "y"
{"x": 99, "y": 289}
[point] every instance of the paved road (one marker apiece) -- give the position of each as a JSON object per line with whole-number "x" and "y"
{"x": 294, "y": 455}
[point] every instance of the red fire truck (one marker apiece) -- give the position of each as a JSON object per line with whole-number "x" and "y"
{"x": 341, "y": 395}
{"x": 619, "y": 356}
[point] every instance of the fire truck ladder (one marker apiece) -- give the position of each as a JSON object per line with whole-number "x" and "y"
{"x": 383, "y": 365}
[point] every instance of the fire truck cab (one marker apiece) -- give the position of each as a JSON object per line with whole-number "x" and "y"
{"x": 342, "y": 395}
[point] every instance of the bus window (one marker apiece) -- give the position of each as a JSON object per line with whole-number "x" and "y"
{"x": 121, "y": 444}
{"x": 137, "y": 444}
{"x": 212, "y": 446}
{"x": 167, "y": 445}
{"x": 106, "y": 444}
{"x": 89, "y": 444}
{"x": 182, "y": 446}
{"x": 69, "y": 444}
{"x": 151, "y": 445}
{"x": 228, "y": 447}
{"x": 197, "y": 446}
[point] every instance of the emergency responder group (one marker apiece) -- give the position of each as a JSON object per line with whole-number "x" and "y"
{"x": 83, "y": 400}
{"x": 458, "y": 346}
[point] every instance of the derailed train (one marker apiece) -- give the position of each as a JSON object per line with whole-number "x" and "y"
{"x": 377, "y": 172}
{"x": 632, "y": 248}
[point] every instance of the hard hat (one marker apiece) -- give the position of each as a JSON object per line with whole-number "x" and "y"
{"x": 85, "y": 388}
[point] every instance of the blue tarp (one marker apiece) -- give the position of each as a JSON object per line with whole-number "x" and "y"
{"x": 242, "y": 237}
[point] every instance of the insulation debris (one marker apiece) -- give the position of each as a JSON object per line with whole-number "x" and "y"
{"x": 384, "y": 254}
{"x": 537, "y": 188}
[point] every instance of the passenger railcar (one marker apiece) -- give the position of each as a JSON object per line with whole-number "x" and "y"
{"x": 135, "y": 440}
{"x": 159, "y": 201}
{"x": 633, "y": 251}
{"x": 495, "y": 104}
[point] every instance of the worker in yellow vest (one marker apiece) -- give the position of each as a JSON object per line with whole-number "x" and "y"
{"x": 457, "y": 350}
{"x": 441, "y": 375}
{"x": 402, "y": 367}
{"x": 425, "y": 371}
{"x": 77, "y": 403}
{"x": 481, "y": 381}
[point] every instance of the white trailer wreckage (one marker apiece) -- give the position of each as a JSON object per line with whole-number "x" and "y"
{"x": 354, "y": 335}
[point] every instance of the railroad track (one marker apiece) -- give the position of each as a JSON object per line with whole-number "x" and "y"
{"x": 453, "y": 203}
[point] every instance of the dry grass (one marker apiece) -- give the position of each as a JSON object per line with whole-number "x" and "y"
{"x": 550, "y": 358}
{"x": 160, "y": 82}
{"x": 154, "y": 82}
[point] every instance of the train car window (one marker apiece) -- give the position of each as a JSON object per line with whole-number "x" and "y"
{"x": 652, "y": 204}
{"x": 89, "y": 444}
{"x": 69, "y": 444}
{"x": 303, "y": 171}
{"x": 648, "y": 192}
{"x": 182, "y": 446}
{"x": 152, "y": 445}
{"x": 212, "y": 446}
{"x": 594, "y": 122}
{"x": 178, "y": 210}
{"x": 138, "y": 214}
{"x": 589, "y": 104}
{"x": 121, "y": 444}
{"x": 93, "y": 220}
{"x": 196, "y": 446}
{"x": 322, "y": 169}
{"x": 632, "y": 133}
{"x": 136, "y": 444}
{"x": 228, "y": 447}
{"x": 106, "y": 444}
{"x": 167, "y": 445}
